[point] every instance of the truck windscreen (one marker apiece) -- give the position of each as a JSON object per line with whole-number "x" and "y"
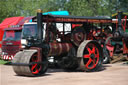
{"x": 11, "y": 35}
{"x": 29, "y": 30}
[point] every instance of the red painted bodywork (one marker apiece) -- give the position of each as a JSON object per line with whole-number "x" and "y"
{"x": 111, "y": 50}
{"x": 75, "y": 25}
{"x": 1, "y": 36}
{"x": 6, "y": 23}
{"x": 125, "y": 48}
{"x": 11, "y": 49}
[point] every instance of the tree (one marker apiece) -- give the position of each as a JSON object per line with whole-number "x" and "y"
{"x": 123, "y": 5}
{"x": 10, "y": 8}
{"x": 86, "y": 7}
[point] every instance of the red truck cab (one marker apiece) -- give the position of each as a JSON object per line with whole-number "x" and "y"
{"x": 11, "y": 42}
{"x": 5, "y": 24}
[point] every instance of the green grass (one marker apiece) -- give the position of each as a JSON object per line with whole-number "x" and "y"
{"x": 4, "y": 62}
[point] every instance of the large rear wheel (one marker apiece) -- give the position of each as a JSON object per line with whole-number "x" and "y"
{"x": 90, "y": 55}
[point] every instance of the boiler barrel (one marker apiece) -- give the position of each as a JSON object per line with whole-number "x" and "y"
{"x": 59, "y": 48}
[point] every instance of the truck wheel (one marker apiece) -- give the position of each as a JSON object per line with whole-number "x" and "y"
{"x": 27, "y": 57}
{"x": 90, "y": 56}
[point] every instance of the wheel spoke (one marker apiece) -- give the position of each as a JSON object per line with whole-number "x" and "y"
{"x": 94, "y": 64}
{"x": 93, "y": 61}
{"x": 34, "y": 66}
{"x": 97, "y": 56}
{"x": 97, "y": 53}
{"x": 89, "y": 62}
{"x": 89, "y": 50}
{"x": 37, "y": 70}
{"x": 93, "y": 50}
{"x": 87, "y": 56}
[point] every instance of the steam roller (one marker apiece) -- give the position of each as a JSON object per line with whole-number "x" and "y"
{"x": 75, "y": 52}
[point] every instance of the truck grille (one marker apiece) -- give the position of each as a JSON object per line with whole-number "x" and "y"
{"x": 10, "y": 50}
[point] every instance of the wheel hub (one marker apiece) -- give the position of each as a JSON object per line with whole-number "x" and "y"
{"x": 92, "y": 56}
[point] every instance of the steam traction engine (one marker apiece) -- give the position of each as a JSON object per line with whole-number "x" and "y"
{"x": 69, "y": 48}
{"x": 117, "y": 43}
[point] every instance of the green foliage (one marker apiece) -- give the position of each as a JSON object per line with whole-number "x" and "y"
{"x": 10, "y": 8}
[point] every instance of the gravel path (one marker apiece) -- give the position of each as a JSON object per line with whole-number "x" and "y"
{"x": 112, "y": 74}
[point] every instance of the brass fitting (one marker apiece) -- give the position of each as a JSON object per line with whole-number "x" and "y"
{"x": 39, "y": 11}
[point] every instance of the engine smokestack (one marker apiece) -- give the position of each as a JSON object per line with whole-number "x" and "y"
{"x": 39, "y": 24}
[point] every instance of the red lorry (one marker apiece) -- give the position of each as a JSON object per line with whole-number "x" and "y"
{"x": 11, "y": 42}
{"x": 6, "y": 23}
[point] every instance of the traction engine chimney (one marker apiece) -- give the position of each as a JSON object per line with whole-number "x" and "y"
{"x": 119, "y": 21}
{"x": 39, "y": 24}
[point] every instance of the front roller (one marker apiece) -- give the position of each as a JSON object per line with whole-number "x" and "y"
{"x": 27, "y": 63}
{"x": 90, "y": 55}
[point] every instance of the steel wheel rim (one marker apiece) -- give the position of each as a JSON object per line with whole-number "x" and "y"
{"x": 91, "y": 57}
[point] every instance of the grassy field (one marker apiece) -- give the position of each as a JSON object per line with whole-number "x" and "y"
{"x": 4, "y": 62}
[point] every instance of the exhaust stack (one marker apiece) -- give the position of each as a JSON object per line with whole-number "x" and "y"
{"x": 119, "y": 21}
{"x": 39, "y": 25}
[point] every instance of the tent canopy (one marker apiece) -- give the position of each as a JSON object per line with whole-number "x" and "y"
{"x": 10, "y": 21}
{"x": 56, "y": 13}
